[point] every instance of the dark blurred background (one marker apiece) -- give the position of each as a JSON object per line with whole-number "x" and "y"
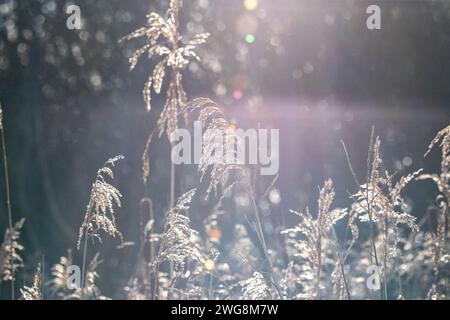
{"x": 308, "y": 67}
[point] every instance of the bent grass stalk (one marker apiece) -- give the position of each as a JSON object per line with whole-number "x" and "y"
{"x": 99, "y": 214}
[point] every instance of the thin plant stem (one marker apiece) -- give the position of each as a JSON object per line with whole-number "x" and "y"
{"x": 86, "y": 236}
{"x": 172, "y": 185}
{"x": 373, "y": 250}
{"x": 341, "y": 263}
{"x": 157, "y": 265}
{"x": 319, "y": 257}
{"x": 172, "y": 204}
{"x": 42, "y": 277}
{"x": 386, "y": 235}
{"x": 260, "y": 233}
{"x": 210, "y": 296}
{"x": 145, "y": 238}
{"x": 8, "y": 201}
{"x": 83, "y": 272}
{"x": 369, "y": 208}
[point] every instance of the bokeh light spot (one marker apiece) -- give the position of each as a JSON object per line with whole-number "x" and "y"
{"x": 251, "y": 5}
{"x": 210, "y": 265}
{"x": 238, "y": 94}
{"x": 215, "y": 235}
{"x": 250, "y": 38}
{"x": 275, "y": 196}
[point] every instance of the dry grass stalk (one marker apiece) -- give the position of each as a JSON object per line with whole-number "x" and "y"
{"x": 317, "y": 243}
{"x": 140, "y": 285}
{"x": 379, "y": 202}
{"x": 59, "y": 284}
{"x": 226, "y": 175}
{"x": 179, "y": 243}
{"x": 99, "y": 214}
{"x": 178, "y": 237}
{"x": 441, "y": 180}
{"x": 33, "y": 292}
{"x": 440, "y": 252}
{"x": 255, "y": 288}
{"x": 223, "y": 175}
{"x": 165, "y": 41}
{"x": 10, "y": 258}
{"x": 90, "y": 291}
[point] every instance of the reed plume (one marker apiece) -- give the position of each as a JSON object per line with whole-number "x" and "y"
{"x": 165, "y": 41}
{"x": 179, "y": 244}
{"x": 99, "y": 214}
{"x": 218, "y": 131}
